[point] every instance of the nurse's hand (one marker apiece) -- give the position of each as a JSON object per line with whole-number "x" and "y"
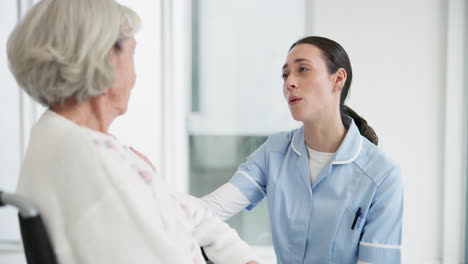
{"x": 144, "y": 158}
{"x": 252, "y": 262}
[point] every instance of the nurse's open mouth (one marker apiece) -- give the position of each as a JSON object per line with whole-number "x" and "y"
{"x": 294, "y": 100}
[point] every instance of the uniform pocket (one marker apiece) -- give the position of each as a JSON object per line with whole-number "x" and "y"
{"x": 348, "y": 235}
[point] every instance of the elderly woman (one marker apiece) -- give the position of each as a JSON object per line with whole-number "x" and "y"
{"x": 101, "y": 203}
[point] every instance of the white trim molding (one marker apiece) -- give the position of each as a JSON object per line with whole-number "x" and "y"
{"x": 454, "y": 153}
{"x": 175, "y": 80}
{"x": 27, "y": 107}
{"x": 309, "y": 16}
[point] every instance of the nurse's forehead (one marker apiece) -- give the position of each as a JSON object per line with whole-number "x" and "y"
{"x": 303, "y": 53}
{"x": 297, "y": 61}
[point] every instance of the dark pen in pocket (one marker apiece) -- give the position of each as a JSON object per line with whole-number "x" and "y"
{"x": 358, "y": 214}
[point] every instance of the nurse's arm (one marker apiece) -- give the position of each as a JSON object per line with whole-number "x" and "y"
{"x": 221, "y": 243}
{"x": 226, "y": 201}
{"x": 381, "y": 240}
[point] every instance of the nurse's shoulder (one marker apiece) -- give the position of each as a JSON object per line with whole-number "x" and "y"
{"x": 375, "y": 163}
{"x": 280, "y": 141}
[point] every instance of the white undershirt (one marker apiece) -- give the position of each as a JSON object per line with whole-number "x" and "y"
{"x": 317, "y": 160}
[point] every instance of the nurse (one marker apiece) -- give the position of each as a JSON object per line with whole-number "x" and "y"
{"x": 333, "y": 195}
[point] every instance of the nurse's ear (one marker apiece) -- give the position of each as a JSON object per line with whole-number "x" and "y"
{"x": 339, "y": 79}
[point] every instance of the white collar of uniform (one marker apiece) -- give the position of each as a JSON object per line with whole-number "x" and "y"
{"x": 348, "y": 150}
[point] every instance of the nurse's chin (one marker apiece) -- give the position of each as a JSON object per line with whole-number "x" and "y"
{"x": 298, "y": 116}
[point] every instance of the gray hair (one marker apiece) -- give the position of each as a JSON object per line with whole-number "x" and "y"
{"x": 60, "y": 49}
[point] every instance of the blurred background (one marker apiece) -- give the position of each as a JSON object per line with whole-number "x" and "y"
{"x": 209, "y": 92}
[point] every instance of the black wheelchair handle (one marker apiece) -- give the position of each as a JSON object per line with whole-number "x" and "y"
{"x": 1, "y": 200}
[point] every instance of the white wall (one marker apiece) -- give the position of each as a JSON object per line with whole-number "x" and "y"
{"x": 10, "y": 152}
{"x": 397, "y": 49}
{"x": 140, "y": 126}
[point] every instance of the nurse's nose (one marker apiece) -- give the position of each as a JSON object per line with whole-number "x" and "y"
{"x": 291, "y": 82}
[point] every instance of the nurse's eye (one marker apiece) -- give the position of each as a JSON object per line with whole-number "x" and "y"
{"x": 284, "y": 76}
{"x": 303, "y": 69}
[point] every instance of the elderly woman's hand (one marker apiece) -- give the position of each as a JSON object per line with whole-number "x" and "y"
{"x": 143, "y": 157}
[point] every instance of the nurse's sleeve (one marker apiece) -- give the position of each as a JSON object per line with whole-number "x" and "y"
{"x": 250, "y": 178}
{"x": 221, "y": 243}
{"x": 381, "y": 240}
{"x": 225, "y": 202}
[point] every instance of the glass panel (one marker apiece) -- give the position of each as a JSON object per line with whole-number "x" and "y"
{"x": 213, "y": 160}
{"x": 238, "y": 50}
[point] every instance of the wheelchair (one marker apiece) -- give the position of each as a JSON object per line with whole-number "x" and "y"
{"x": 36, "y": 242}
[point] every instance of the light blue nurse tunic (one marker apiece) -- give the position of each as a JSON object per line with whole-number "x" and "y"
{"x": 352, "y": 213}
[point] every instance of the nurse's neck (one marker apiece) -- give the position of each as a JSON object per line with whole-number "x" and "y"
{"x": 324, "y": 134}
